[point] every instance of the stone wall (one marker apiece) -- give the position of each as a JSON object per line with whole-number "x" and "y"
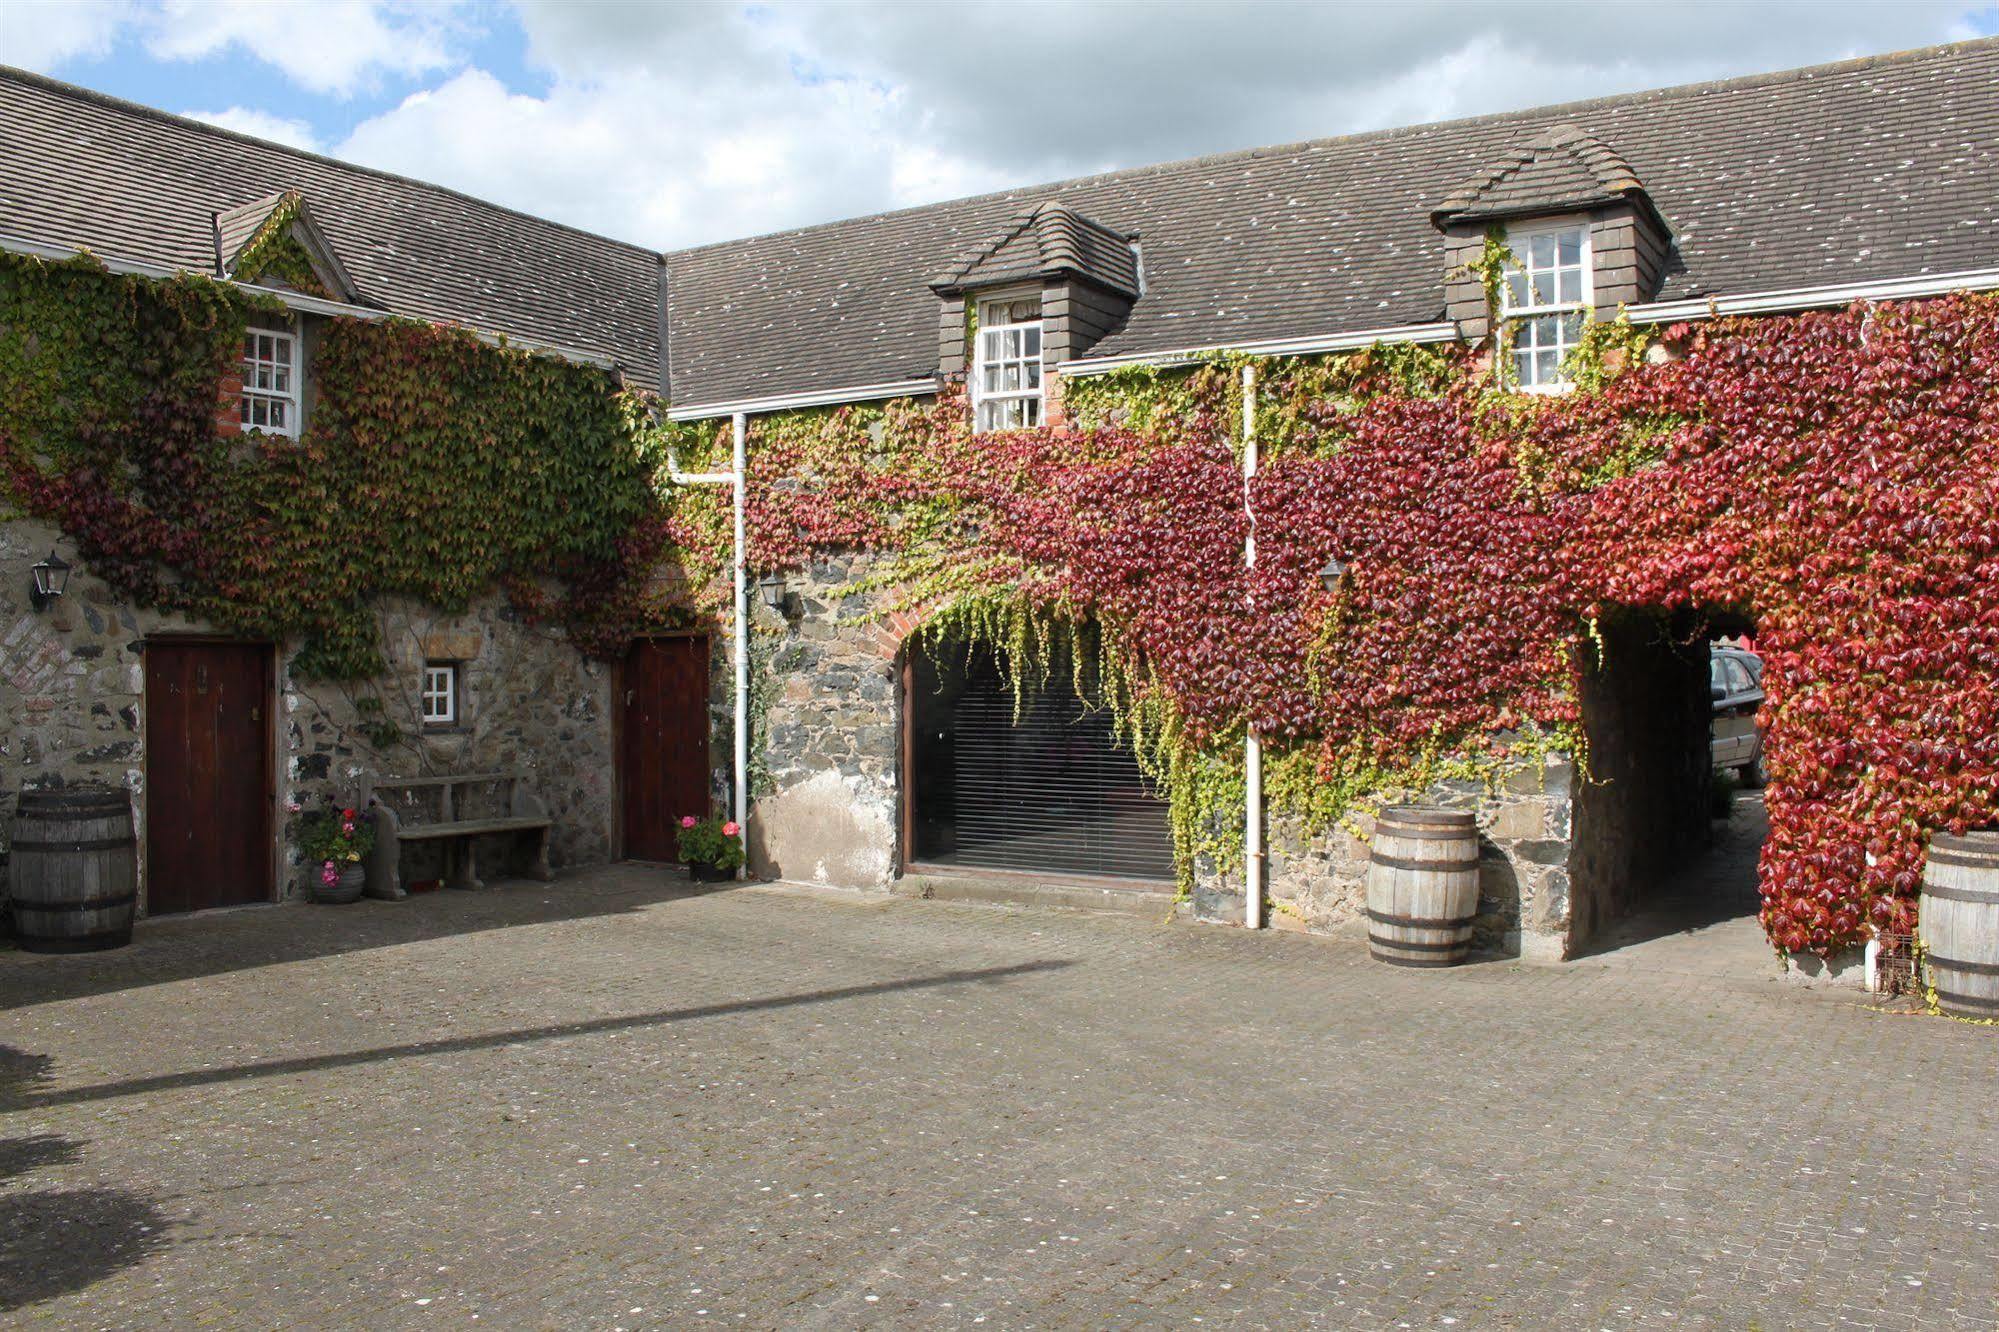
{"x": 830, "y": 809}
{"x": 1319, "y": 883}
{"x": 72, "y": 707}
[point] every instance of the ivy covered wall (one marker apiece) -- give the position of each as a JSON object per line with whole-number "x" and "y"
{"x": 1831, "y": 477}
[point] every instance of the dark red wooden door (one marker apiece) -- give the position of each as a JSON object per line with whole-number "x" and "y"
{"x": 208, "y": 775}
{"x": 663, "y": 750}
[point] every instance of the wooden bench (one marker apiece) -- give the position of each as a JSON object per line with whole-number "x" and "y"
{"x": 457, "y": 810}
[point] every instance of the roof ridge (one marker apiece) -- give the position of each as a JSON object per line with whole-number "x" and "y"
{"x": 80, "y": 93}
{"x": 1734, "y": 83}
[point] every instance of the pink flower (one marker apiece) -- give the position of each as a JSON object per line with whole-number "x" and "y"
{"x": 348, "y": 827}
{"x": 687, "y": 821}
{"x": 730, "y": 829}
{"x": 293, "y": 806}
{"x": 329, "y": 876}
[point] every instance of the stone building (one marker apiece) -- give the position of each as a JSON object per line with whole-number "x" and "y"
{"x": 1775, "y": 193}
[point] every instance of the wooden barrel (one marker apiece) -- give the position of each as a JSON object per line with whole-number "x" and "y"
{"x": 1422, "y": 886}
{"x": 73, "y": 880}
{"x": 1960, "y": 922}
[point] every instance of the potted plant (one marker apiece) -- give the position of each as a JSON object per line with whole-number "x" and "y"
{"x": 712, "y": 849}
{"x": 334, "y": 845}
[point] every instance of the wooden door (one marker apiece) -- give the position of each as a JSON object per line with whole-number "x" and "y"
{"x": 663, "y": 743}
{"x": 208, "y": 775}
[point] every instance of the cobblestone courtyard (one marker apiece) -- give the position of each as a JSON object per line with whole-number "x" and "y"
{"x": 610, "y": 1102}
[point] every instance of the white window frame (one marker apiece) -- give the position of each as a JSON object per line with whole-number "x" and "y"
{"x": 437, "y": 700}
{"x": 269, "y": 381}
{"x": 990, "y": 350}
{"x": 1516, "y": 319}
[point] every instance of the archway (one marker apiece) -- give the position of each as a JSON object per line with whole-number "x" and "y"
{"x": 1669, "y": 822}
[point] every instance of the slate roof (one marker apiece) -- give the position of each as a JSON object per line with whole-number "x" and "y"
{"x": 1045, "y": 242}
{"x": 1565, "y": 168}
{"x": 124, "y": 181}
{"x": 1879, "y": 168}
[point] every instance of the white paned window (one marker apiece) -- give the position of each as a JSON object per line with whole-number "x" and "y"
{"x": 270, "y": 382}
{"x": 440, "y": 693}
{"x": 1006, "y": 381}
{"x": 1544, "y": 299}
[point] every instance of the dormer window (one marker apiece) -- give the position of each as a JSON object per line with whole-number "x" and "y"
{"x": 1544, "y": 299}
{"x": 1006, "y": 381}
{"x": 270, "y": 400}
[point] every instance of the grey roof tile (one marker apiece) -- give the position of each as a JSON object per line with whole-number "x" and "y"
{"x": 124, "y": 181}
{"x": 1876, "y": 168}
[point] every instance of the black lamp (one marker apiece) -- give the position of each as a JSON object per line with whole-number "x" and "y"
{"x": 1332, "y": 573}
{"x": 51, "y": 578}
{"x": 771, "y": 588}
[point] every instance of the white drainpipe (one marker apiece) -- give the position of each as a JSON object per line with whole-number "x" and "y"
{"x": 739, "y": 469}
{"x": 1252, "y": 759}
{"x": 739, "y": 618}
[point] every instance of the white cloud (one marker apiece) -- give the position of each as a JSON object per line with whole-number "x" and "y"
{"x": 262, "y": 125}
{"x": 41, "y": 34}
{"x": 335, "y": 46}
{"x": 677, "y": 124}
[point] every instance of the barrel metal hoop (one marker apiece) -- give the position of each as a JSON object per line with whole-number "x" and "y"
{"x": 80, "y": 904}
{"x": 1442, "y": 866}
{"x": 1454, "y": 946}
{"x": 1961, "y": 895}
{"x": 1420, "y": 922}
{"x": 96, "y": 844}
{"x": 1975, "y": 968}
{"x": 1979, "y": 859}
{"x": 1983, "y": 1003}
{"x": 1412, "y": 961}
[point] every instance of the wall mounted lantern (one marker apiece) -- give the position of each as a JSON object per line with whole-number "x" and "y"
{"x": 771, "y": 588}
{"x": 1332, "y": 573}
{"x": 51, "y": 580}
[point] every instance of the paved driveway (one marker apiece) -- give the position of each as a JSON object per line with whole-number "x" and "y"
{"x": 609, "y": 1103}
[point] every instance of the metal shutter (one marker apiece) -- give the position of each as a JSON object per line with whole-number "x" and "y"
{"x": 1053, "y": 793}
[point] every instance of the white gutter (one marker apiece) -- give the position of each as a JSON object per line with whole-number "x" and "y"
{"x": 1812, "y": 298}
{"x": 1252, "y": 758}
{"x": 1330, "y": 342}
{"x": 304, "y": 304}
{"x": 785, "y": 402}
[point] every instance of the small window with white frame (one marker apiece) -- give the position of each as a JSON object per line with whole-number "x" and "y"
{"x": 270, "y": 400}
{"x": 1006, "y": 380}
{"x": 439, "y": 696}
{"x": 1544, "y": 299}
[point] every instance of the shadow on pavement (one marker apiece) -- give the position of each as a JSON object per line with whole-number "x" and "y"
{"x": 517, "y": 1036}
{"x": 57, "y": 1240}
{"x": 175, "y": 948}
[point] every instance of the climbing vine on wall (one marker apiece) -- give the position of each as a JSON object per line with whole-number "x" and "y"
{"x": 435, "y": 467}
{"x": 1832, "y": 476}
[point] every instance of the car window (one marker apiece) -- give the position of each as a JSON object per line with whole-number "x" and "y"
{"x": 1738, "y": 678}
{"x": 1717, "y": 678}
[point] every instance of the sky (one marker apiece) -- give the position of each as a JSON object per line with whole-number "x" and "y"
{"x": 671, "y": 125}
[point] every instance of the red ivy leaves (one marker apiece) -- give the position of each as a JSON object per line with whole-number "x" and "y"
{"x": 1835, "y": 476}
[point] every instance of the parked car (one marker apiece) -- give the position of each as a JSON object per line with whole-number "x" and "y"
{"x": 1735, "y": 683}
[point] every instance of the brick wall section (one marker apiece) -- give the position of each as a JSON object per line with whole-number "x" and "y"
{"x": 229, "y": 403}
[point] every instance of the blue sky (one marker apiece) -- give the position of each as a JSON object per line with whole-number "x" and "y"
{"x": 684, "y": 123}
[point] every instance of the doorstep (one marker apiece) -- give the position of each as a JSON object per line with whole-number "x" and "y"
{"x": 995, "y": 888}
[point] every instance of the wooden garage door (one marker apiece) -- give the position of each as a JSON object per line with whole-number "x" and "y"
{"x": 663, "y": 745}
{"x": 208, "y": 775}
